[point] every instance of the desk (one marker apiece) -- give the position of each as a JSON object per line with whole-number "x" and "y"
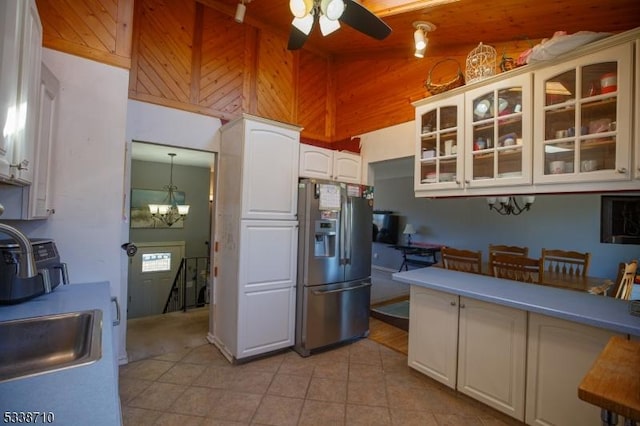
{"x": 418, "y": 249}
{"x": 613, "y": 383}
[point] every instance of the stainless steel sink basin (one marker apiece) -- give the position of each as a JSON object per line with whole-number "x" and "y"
{"x": 38, "y": 345}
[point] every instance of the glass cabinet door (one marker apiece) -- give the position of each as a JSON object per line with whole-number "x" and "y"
{"x": 438, "y": 152}
{"x": 498, "y": 133}
{"x": 582, "y": 126}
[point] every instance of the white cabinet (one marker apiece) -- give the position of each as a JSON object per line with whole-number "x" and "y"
{"x": 28, "y": 95}
{"x": 433, "y": 337}
{"x": 323, "y": 163}
{"x": 34, "y": 201}
{"x": 475, "y": 347}
{"x": 498, "y": 133}
{"x": 636, "y": 120}
{"x": 560, "y": 353}
{"x": 582, "y": 124}
{"x": 256, "y": 232}
{"x": 20, "y": 53}
{"x": 492, "y": 354}
{"x": 440, "y": 145}
{"x": 267, "y": 282}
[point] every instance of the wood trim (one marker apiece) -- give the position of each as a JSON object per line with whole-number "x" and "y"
{"x": 249, "y": 86}
{"x": 124, "y": 28}
{"x": 196, "y": 55}
{"x": 89, "y": 53}
{"x": 135, "y": 43}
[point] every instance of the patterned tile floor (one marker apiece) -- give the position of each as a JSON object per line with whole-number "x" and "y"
{"x": 363, "y": 383}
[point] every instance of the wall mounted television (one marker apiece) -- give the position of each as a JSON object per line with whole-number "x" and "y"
{"x": 385, "y": 227}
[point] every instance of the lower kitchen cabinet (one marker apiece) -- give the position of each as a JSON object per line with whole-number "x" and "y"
{"x": 476, "y": 347}
{"x": 255, "y": 289}
{"x": 559, "y": 355}
{"x": 492, "y": 347}
{"x": 433, "y": 334}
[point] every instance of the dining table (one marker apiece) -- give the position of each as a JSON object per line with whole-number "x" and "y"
{"x": 559, "y": 280}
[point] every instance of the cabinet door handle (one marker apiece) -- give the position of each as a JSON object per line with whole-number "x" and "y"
{"x": 462, "y": 306}
{"x": 452, "y": 303}
{"x": 467, "y": 181}
{"x": 622, "y": 170}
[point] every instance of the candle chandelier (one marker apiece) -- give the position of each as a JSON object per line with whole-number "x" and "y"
{"x": 171, "y": 212}
{"x": 509, "y": 205}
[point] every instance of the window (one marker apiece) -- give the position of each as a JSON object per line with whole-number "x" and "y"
{"x": 156, "y": 262}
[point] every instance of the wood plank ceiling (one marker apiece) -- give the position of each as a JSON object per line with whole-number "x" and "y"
{"x": 191, "y": 54}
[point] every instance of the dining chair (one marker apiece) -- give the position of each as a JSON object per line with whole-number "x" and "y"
{"x": 505, "y": 249}
{"x": 626, "y": 279}
{"x": 517, "y": 268}
{"x": 462, "y": 260}
{"x": 566, "y": 263}
{"x": 602, "y": 289}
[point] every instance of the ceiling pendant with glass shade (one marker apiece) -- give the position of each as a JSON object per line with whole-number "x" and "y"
{"x": 171, "y": 212}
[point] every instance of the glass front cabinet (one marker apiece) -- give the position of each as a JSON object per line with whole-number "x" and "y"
{"x": 439, "y": 151}
{"x": 498, "y": 133}
{"x": 583, "y": 115}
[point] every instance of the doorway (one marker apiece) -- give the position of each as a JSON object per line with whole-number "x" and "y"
{"x": 161, "y": 248}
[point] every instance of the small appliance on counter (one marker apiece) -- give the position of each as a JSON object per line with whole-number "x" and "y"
{"x": 50, "y": 271}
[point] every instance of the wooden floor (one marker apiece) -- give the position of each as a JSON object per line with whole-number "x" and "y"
{"x": 388, "y": 335}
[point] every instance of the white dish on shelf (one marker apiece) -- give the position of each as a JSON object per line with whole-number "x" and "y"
{"x": 482, "y": 109}
{"x": 502, "y": 105}
{"x": 447, "y": 177}
{"x": 510, "y": 174}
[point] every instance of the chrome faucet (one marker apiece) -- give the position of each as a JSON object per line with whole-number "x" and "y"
{"x": 26, "y": 262}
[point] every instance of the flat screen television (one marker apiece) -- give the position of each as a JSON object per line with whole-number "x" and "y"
{"x": 385, "y": 227}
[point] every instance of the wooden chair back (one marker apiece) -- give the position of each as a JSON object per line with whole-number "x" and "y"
{"x": 566, "y": 263}
{"x": 625, "y": 286}
{"x": 462, "y": 260}
{"x": 505, "y": 249}
{"x": 518, "y": 268}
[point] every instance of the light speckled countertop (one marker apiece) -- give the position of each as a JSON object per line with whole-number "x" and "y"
{"x": 604, "y": 312}
{"x": 84, "y": 395}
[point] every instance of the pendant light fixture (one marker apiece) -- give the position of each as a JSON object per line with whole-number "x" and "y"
{"x": 171, "y": 212}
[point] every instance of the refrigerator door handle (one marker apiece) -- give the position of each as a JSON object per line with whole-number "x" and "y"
{"x": 347, "y": 247}
{"x": 342, "y": 289}
{"x": 343, "y": 233}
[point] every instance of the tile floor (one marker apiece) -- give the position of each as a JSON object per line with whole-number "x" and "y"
{"x": 363, "y": 383}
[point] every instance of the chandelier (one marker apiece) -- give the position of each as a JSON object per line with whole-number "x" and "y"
{"x": 509, "y": 205}
{"x": 171, "y": 212}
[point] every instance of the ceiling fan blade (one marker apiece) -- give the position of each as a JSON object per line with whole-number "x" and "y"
{"x": 296, "y": 39}
{"x": 360, "y": 18}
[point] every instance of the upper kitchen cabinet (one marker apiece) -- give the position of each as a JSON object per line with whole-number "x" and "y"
{"x": 20, "y": 51}
{"x": 263, "y": 157}
{"x": 440, "y": 148}
{"x": 636, "y": 122}
{"x": 323, "y": 163}
{"x": 498, "y": 135}
{"x": 26, "y": 128}
{"x": 583, "y": 118}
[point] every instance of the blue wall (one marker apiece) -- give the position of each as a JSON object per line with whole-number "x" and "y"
{"x": 568, "y": 222}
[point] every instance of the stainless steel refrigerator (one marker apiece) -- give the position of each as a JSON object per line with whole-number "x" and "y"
{"x": 334, "y": 263}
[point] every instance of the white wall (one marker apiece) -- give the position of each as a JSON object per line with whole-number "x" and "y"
{"x": 389, "y": 143}
{"x": 88, "y": 170}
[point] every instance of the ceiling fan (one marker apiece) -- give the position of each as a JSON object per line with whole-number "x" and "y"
{"x": 329, "y": 14}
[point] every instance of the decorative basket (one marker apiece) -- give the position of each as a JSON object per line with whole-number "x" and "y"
{"x": 456, "y": 81}
{"x": 481, "y": 63}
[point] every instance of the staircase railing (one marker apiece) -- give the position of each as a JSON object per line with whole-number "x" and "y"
{"x": 190, "y": 285}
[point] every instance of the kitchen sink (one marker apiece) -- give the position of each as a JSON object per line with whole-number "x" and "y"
{"x": 39, "y": 345}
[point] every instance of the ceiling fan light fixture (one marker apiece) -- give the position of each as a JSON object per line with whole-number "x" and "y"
{"x": 332, "y": 9}
{"x": 304, "y": 24}
{"x": 300, "y": 8}
{"x": 327, "y": 26}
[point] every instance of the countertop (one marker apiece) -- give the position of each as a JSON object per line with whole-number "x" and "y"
{"x": 598, "y": 311}
{"x": 84, "y": 395}
{"x": 613, "y": 383}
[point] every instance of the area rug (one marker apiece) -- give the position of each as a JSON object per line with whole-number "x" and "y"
{"x": 396, "y": 314}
